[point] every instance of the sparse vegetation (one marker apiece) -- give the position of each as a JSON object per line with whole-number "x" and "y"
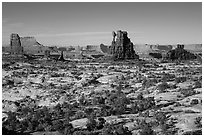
{"x": 106, "y": 98}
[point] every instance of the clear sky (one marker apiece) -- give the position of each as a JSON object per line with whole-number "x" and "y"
{"x": 75, "y": 24}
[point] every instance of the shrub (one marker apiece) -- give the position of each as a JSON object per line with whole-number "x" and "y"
{"x": 101, "y": 123}
{"x": 194, "y": 101}
{"x": 91, "y": 123}
{"x": 162, "y": 87}
{"x": 111, "y": 129}
{"x": 142, "y": 104}
{"x": 79, "y": 114}
{"x": 180, "y": 79}
{"x": 166, "y": 124}
{"x": 168, "y": 77}
{"x": 147, "y": 83}
{"x": 145, "y": 128}
{"x": 117, "y": 102}
{"x": 198, "y": 84}
{"x": 198, "y": 122}
{"x": 188, "y": 92}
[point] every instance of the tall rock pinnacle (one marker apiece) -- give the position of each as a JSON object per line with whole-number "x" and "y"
{"x": 15, "y": 44}
{"x": 122, "y": 47}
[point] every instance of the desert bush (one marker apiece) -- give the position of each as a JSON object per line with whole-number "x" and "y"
{"x": 98, "y": 100}
{"x": 117, "y": 101}
{"x": 57, "y": 111}
{"x": 91, "y": 123}
{"x": 110, "y": 129}
{"x": 101, "y": 123}
{"x": 144, "y": 127}
{"x": 104, "y": 111}
{"x": 198, "y": 122}
{"x": 88, "y": 111}
{"x": 68, "y": 128}
{"x": 198, "y": 84}
{"x": 142, "y": 104}
{"x": 166, "y": 123}
{"x": 162, "y": 87}
{"x": 180, "y": 79}
{"x": 57, "y": 125}
{"x": 168, "y": 77}
{"x": 39, "y": 120}
{"x": 79, "y": 114}
{"x": 187, "y": 92}
{"x": 11, "y": 122}
{"x": 194, "y": 102}
{"x": 83, "y": 101}
{"x": 147, "y": 83}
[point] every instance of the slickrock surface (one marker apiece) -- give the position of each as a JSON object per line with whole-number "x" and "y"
{"x": 87, "y": 97}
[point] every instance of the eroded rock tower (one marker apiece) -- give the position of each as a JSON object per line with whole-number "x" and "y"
{"x": 122, "y": 47}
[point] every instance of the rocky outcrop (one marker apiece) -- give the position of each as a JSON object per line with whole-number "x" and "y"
{"x": 32, "y": 46}
{"x": 122, "y": 47}
{"x": 162, "y": 48}
{"x": 15, "y": 44}
{"x": 180, "y": 54}
{"x": 61, "y": 58}
{"x": 156, "y": 55}
{"x": 29, "y": 41}
{"x": 104, "y": 48}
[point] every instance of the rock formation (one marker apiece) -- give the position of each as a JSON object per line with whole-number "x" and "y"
{"x": 29, "y": 41}
{"x": 156, "y": 55}
{"x": 104, "y": 48}
{"x": 15, "y": 44}
{"x": 122, "y": 47}
{"x": 180, "y": 54}
{"x": 163, "y": 48}
{"x": 61, "y": 58}
{"x": 32, "y": 46}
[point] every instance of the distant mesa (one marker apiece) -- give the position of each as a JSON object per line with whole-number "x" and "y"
{"x": 26, "y": 45}
{"x": 156, "y": 55}
{"x": 180, "y": 54}
{"x": 32, "y": 46}
{"x": 122, "y": 47}
{"x": 161, "y": 47}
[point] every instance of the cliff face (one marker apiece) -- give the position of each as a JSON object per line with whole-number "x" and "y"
{"x": 122, "y": 47}
{"x": 163, "y": 48}
{"x": 31, "y": 46}
{"x": 29, "y": 41}
{"x": 180, "y": 54}
{"x": 15, "y": 44}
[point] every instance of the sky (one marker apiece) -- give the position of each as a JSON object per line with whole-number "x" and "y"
{"x": 73, "y": 24}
